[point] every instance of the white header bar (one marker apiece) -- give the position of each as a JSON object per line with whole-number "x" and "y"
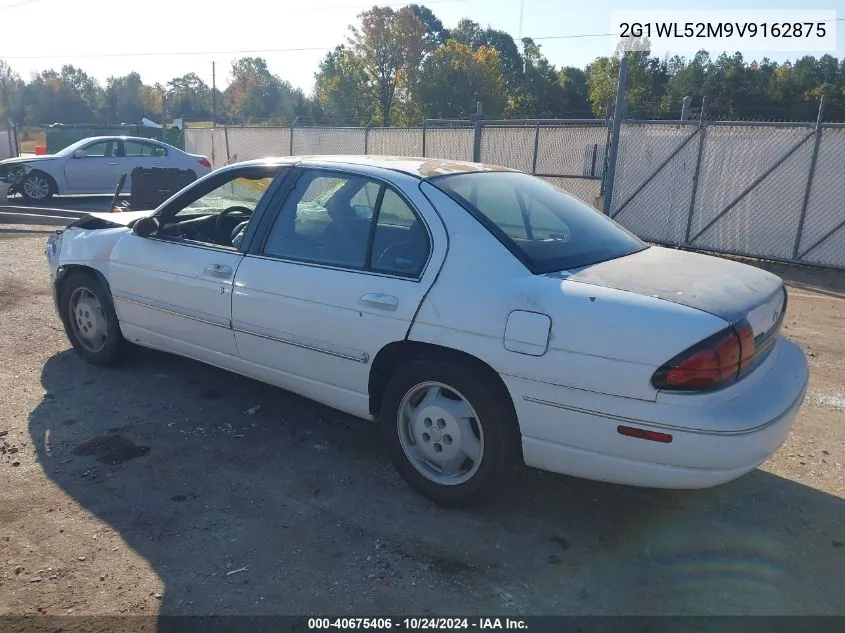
{"x": 682, "y": 31}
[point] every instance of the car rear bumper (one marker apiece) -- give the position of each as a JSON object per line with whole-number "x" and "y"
{"x": 577, "y": 434}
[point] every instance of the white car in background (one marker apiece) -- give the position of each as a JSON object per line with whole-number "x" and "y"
{"x": 480, "y": 315}
{"x": 92, "y": 166}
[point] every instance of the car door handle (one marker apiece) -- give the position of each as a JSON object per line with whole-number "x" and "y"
{"x": 112, "y": 163}
{"x": 219, "y": 270}
{"x": 380, "y": 301}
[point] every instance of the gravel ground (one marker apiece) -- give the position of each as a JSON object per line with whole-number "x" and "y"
{"x": 157, "y": 488}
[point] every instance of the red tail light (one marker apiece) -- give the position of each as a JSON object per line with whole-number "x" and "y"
{"x": 205, "y": 163}
{"x": 720, "y": 359}
{"x": 712, "y": 363}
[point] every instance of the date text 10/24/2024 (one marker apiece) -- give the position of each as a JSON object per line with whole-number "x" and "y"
{"x": 417, "y": 624}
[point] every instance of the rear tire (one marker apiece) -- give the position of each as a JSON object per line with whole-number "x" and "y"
{"x": 450, "y": 429}
{"x": 90, "y": 320}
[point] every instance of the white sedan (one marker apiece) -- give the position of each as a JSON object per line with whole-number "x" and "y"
{"x": 93, "y": 165}
{"x": 482, "y": 317}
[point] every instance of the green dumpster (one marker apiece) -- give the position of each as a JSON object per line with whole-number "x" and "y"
{"x": 60, "y": 135}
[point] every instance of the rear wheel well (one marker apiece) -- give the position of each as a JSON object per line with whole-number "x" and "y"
{"x": 398, "y": 353}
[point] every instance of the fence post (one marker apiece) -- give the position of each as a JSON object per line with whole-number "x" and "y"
{"x": 226, "y": 136}
{"x": 367, "y": 139}
{"x": 536, "y": 148}
{"x": 425, "y": 126}
{"x": 807, "y": 191}
{"x": 476, "y": 145}
{"x": 702, "y": 133}
{"x": 685, "y": 108}
{"x": 290, "y": 149}
{"x": 618, "y": 113}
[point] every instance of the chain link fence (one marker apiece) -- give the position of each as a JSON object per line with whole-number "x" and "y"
{"x": 772, "y": 191}
{"x": 571, "y": 155}
{"x": 766, "y": 190}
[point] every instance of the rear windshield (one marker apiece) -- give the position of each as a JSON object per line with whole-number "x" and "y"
{"x": 545, "y": 227}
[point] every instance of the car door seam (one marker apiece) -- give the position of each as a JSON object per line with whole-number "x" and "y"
{"x": 413, "y": 319}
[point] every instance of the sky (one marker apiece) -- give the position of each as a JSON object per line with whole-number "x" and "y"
{"x": 162, "y": 39}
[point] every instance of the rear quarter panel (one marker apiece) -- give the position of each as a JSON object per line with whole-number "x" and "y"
{"x": 601, "y": 340}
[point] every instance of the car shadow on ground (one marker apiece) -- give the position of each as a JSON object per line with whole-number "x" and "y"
{"x": 294, "y": 508}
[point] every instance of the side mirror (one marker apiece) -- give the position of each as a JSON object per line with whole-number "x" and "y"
{"x": 145, "y": 227}
{"x": 80, "y": 153}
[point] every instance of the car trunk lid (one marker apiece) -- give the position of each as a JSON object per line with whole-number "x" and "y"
{"x": 742, "y": 295}
{"x": 727, "y": 289}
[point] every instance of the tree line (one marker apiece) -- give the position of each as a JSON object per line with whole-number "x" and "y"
{"x": 401, "y": 66}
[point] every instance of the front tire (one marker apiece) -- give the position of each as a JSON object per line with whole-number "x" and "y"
{"x": 450, "y": 429}
{"x": 36, "y": 187}
{"x": 90, "y": 320}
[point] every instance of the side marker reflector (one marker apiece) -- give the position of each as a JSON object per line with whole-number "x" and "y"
{"x": 654, "y": 436}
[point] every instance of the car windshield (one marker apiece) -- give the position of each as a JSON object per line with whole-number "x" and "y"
{"x": 245, "y": 192}
{"x": 545, "y": 227}
{"x": 70, "y": 149}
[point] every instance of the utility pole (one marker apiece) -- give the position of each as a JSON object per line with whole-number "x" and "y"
{"x": 685, "y": 108}
{"x": 164, "y": 116}
{"x": 213, "y": 94}
{"x": 618, "y": 115}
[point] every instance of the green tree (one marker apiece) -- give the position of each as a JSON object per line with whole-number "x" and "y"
{"x": 435, "y": 33}
{"x": 189, "y": 97}
{"x": 49, "y": 98}
{"x": 574, "y": 91}
{"x": 471, "y": 34}
{"x": 340, "y": 88}
{"x": 647, "y": 81}
{"x": 454, "y": 78}
{"x": 11, "y": 94}
{"x": 539, "y": 94}
{"x": 256, "y": 94}
{"x": 391, "y": 45}
{"x": 123, "y": 99}
{"x": 85, "y": 87}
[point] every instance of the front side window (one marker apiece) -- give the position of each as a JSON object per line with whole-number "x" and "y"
{"x": 545, "y": 227}
{"x": 219, "y": 212}
{"x": 349, "y": 221}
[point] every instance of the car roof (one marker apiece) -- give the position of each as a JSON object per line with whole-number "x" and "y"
{"x": 118, "y": 137}
{"x": 418, "y": 167}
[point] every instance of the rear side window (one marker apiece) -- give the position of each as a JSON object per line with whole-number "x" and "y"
{"x": 349, "y": 221}
{"x": 545, "y": 227}
{"x": 135, "y": 149}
